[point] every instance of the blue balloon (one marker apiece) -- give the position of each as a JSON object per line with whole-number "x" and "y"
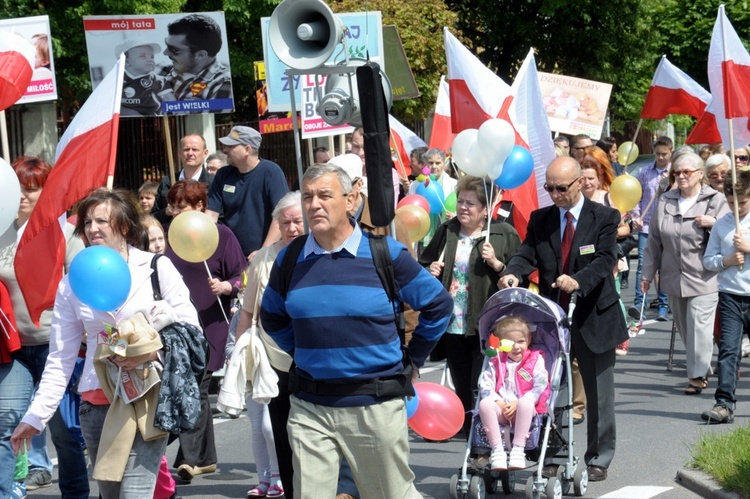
{"x": 411, "y": 405}
{"x": 100, "y": 278}
{"x": 433, "y": 193}
{"x": 517, "y": 168}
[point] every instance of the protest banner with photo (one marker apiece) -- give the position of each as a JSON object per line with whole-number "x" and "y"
{"x": 364, "y": 36}
{"x": 312, "y": 124}
{"x": 574, "y": 105}
{"x": 268, "y": 122}
{"x": 35, "y": 30}
{"x": 175, "y": 64}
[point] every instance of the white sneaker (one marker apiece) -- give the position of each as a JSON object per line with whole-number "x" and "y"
{"x": 517, "y": 459}
{"x": 745, "y": 346}
{"x": 498, "y": 459}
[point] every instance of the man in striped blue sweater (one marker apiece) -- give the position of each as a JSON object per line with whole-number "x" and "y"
{"x": 336, "y": 321}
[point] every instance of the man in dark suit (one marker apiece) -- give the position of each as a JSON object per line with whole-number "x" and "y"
{"x": 598, "y": 324}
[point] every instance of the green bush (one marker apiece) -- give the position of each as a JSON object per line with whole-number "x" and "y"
{"x": 726, "y": 457}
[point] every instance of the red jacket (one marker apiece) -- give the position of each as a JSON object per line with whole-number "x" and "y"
{"x": 9, "y": 340}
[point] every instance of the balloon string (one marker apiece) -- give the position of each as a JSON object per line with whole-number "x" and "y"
{"x": 218, "y": 298}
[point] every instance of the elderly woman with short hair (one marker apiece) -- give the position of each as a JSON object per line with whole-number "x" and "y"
{"x": 677, "y": 241}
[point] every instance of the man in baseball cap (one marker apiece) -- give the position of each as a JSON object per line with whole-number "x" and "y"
{"x": 247, "y": 190}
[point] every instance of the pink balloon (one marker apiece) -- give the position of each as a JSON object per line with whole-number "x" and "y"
{"x": 415, "y": 199}
{"x": 440, "y": 414}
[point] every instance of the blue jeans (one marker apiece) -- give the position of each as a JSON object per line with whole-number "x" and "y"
{"x": 15, "y": 392}
{"x": 73, "y": 478}
{"x": 661, "y": 296}
{"x": 139, "y": 479}
{"x": 734, "y": 312}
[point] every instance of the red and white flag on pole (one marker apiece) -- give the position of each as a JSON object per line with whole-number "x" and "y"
{"x": 673, "y": 92}
{"x": 476, "y": 93}
{"x": 529, "y": 118}
{"x": 84, "y": 159}
{"x": 442, "y": 135}
{"x": 404, "y": 141}
{"x": 729, "y": 79}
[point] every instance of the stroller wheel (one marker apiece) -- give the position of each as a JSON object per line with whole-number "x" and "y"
{"x": 531, "y": 493}
{"x": 580, "y": 480}
{"x": 553, "y": 489}
{"x": 508, "y": 481}
{"x": 454, "y": 487}
{"x": 490, "y": 482}
{"x": 476, "y": 487}
{"x": 561, "y": 476}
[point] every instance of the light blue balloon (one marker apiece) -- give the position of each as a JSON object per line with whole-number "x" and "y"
{"x": 100, "y": 278}
{"x": 433, "y": 193}
{"x": 411, "y": 405}
{"x": 518, "y": 167}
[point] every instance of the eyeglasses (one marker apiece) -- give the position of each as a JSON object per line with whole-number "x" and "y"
{"x": 559, "y": 188}
{"x": 683, "y": 173}
{"x": 743, "y": 157}
{"x": 718, "y": 175}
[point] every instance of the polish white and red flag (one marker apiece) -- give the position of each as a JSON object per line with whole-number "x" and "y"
{"x": 477, "y": 94}
{"x": 403, "y": 141}
{"x": 672, "y": 91}
{"x": 84, "y": 160}
{"x": 16, "y": 67}
{"x": 729, "y": 80}
{"x": 441, "y": 136}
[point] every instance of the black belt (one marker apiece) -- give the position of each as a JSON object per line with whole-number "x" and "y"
{"x": 392, "y": 386}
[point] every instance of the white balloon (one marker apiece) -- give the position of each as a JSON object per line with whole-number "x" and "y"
{"x": 467, "y": 155}
{"x": 496, "y": 138}
{"x": 10, "y": 195}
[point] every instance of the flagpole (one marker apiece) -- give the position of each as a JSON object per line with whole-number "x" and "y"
{"x": 402, "y": 169}
{"x": 115, "y": 125}
{"x": 630, "y": 147}
{"x": 168, "y": 140}
{"x": 4, "y": 133}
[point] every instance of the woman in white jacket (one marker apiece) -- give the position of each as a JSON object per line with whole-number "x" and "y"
{"x": 107, "y": 218}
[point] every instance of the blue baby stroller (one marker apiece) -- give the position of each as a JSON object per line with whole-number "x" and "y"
{"x": 551, "y": 437}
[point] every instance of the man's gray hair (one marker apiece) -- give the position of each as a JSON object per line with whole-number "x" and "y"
{"x": 433, "y": 152}
{"x": 317, "y": 170}
{"x": 289, "y": 200}
{"x": 717, "y": 160}
{"x": 690, "y": 159}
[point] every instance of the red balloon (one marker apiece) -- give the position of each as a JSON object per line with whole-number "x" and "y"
{"x": 415, "y": 199}
{"x": 440, "y": 414}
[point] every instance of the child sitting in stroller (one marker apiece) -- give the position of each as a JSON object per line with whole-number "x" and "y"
{"x": 513, "y": 388}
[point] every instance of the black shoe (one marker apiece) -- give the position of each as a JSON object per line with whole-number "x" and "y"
{"x": 579, "y": 420}
{"x": 623, "y": 284}
{"x": 596, "y": 473}
{"x": 634, "y": 313}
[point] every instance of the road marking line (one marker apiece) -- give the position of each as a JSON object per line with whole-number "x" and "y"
{"x": 636, "y": 492}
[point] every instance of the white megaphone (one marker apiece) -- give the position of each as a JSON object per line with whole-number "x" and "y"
{"x": 340, "y": 104}
{"x": 304, "y": 33}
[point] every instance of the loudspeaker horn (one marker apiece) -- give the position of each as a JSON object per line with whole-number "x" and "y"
{"x": 340, "y": 104}
{"x": 304, "y": 33}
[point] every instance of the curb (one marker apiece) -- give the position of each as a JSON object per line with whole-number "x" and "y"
{"x": 703, "y": 485}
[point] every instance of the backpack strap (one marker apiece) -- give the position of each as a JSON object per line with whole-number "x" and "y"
{"x": 155, "y": 277}
{"x": 293, "y": 251}
{"x": 381, "y": 257}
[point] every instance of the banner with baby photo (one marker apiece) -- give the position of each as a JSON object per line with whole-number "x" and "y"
{"x": 35, "y": 30}
{"x": 574, "y": 105}
{"x": 175, "y": 63}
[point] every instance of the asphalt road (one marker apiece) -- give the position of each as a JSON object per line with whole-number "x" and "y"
{"x": 656, "y": 424}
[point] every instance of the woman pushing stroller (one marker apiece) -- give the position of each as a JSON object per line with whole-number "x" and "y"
{"x": 513, "y": 388}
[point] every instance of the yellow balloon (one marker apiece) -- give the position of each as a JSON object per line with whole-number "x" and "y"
{"x": 415, "y": 219}
{"x": 627, "y": 153}
{"x": 506, "y": 345}
{"x": 625, "y": 192}
{"x": 193, "y": 236}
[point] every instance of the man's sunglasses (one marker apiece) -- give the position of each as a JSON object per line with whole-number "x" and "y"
{"x": 559, "y": 188}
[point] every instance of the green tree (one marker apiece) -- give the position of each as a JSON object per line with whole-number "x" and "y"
{"x": 612, "y": 42}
